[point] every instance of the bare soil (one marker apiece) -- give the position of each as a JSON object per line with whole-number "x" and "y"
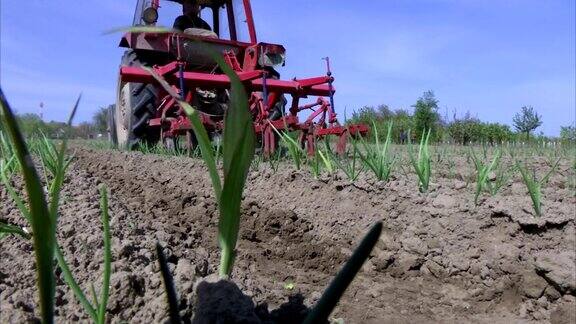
{"x": 440, "y": 258}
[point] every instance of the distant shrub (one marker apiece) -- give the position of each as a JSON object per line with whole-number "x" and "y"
{"x": 568, "y": 134}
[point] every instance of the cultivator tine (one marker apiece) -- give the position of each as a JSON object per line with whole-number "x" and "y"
{"x": 341, "y": 146}
{"x": 269, "y": 141}
{"x": 189, "y": 142}
{"x": 310, "y": 144}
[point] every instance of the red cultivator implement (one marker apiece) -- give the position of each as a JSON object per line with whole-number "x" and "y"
{"x": 146, "y": 113}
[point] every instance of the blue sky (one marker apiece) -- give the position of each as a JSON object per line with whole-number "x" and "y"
{"x": 486, "y": 57}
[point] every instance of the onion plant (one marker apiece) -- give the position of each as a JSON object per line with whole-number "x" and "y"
{"x": 321, "y": 160}
{"x": 42, "y": 214}
{"x": 6, "y": 153}
{"x": 502, "y": 176}
{"x": 377, "y": 157}
{"x": 238, "y": 146}
{"x": 50, "y": 159}
{"x": 483, "y": 171}
{"x": 325, "y": 157}
{"x": 43, "y": 225}
{"x": 534, "y": 185}
{"x": 314, "y": 163}
{"x": 12, "y": 192}
{"x": 294, "y": 148}
{"x": 6, "y": 229}
{"x": 274, "y": 160}
{"x": 422, "y": 162}
{"x": 349, "y": 164}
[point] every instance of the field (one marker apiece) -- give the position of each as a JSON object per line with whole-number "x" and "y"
{"x": 441, "y": 257}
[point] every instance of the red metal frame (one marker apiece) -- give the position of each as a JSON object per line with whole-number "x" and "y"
{"x": 243, "y": 59}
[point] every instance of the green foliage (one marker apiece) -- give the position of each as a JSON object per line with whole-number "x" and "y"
{"x": 43, "y": 217}
{"x": 421, "y": 163}
{"x": 483, "y": 171}
{"x": 534, "y": 185}
{"x": 12, "y": 229}
{"x": 7, "y": 156}
{"x": 42, "y": 222}
{"x": 314, "y": 163}
{"x": 96, "y": 309}
{"x": 326, "y": 157}
{"x": 84, "y": 130}
{"x": 502, "y": 176}
{"x": 426, "y": 115}
{"x": 31, "y": 125}
{"x": 296, "y": 152}
{"x": 274, "y": 160}
{"x": 377, "y": 157}
{"x": 350, "y": 165}
{"x": 238, "y": 146}
{"x": 527, "y": 120}
{"x": 100, "y": 119}
{"x": 495, "y": 133}
{"x": 465, "y": 131}
{"x": 380, "y": 117}
{"x": 568, "y": 134}
{"x": 471, "y": 130}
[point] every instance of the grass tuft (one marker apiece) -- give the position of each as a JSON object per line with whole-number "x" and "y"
{"x": 534, "y": 185}
{"x": 43, "y": 225}
{"x": 421, "y": 163}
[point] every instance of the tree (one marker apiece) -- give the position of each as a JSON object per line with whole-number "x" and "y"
{"x": 55, "y": 129}
{"x": 100, "y": 119}
{"x": 568, "y": 134}
{"x": 385, "y": 112}
{"x": 527, "y": 120}
{"x": 426, "y": 114}
{"x": 366, "y": 114}
{"x": 466, "y": 130}
{"x": 84, "y": 130}
{"x": 31, "y": 125}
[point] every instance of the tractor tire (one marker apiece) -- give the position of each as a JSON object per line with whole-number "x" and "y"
{"x": 136, "y": 104}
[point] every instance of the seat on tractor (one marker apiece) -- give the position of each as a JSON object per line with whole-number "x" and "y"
{"x": 200, "y": 32}
{"x": 199, "y": 53}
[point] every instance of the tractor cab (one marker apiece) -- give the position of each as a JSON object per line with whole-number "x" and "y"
{"x": 230, "y": 29}
{"x": 228, "y": 19}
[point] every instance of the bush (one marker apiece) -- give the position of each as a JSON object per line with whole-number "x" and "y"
{"x": 568, "y": 134}
{"x": 426, "y": 115}
{"x": 380, "y": 117}
{"x": 471, "y": 130}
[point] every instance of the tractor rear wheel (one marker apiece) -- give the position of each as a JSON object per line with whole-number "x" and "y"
{"x": 136, "y": 104}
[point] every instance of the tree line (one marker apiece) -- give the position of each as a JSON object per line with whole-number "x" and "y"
{"x": 460, "y": 130}
{"x": 33, "y": 126}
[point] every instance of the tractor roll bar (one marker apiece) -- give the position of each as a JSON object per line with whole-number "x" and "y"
{"x": 250, "y": 21}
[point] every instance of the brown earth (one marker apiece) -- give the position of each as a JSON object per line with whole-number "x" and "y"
{"x": 440, "y": 258}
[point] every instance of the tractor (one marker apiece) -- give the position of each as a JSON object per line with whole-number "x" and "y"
{"x": 145, "y": 113}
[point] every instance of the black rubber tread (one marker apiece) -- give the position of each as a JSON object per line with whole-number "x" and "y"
{"x": 144, "y": 100}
